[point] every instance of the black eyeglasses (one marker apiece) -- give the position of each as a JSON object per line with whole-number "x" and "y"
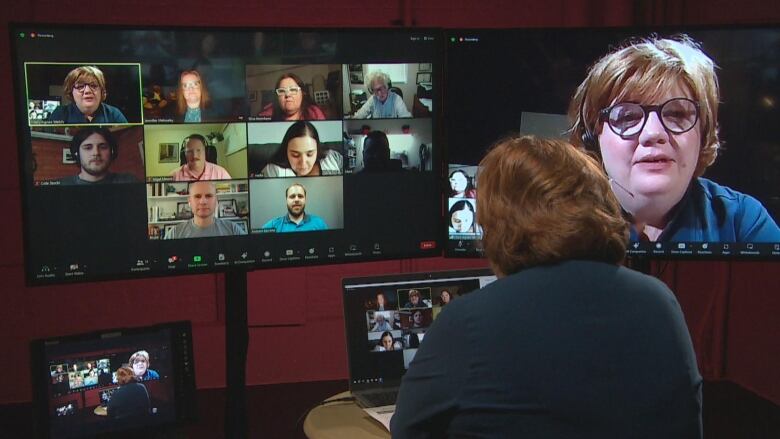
{"x": 81, "y": 86}
{"x": 628, "y": 119}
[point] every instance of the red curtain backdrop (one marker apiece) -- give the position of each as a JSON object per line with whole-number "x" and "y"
{"x": 297, "y": 329}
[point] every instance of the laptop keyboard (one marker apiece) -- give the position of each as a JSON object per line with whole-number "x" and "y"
{"x": 378, "y": 399}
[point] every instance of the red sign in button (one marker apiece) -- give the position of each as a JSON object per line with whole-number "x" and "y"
{"x": 427, "y": 245}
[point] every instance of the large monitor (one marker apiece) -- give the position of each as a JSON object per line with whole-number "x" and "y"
{"x": 113, "y": 381}
{"x": 171, "y": 151}
{"x": 524, "y": 81}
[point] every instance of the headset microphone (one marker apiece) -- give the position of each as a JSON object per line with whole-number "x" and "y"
{"x": 613, "y": 181}
{"x": 591, "y": 142}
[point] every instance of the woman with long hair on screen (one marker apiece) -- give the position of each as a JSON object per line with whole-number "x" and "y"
{"x": 301, "y": 154}
{"x": 597, "y": 350}
{"x": 462, "y": 217}
{"x": 445, "y": 297}
{"x": 292, "y": 101}
{"x": 386, "y": 342}
{"x": 193, "y": 98}
{"x": 460, "y": 185}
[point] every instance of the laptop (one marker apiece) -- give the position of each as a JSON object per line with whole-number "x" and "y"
{"x": 386, "y": 319}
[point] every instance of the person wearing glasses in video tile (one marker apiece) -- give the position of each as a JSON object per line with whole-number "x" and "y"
{"x": 85, "y": 90}
{"x": 649, "y": 110}
{"x": 193, "y": 98}
{"x": 197, "y": 167}
{"x": 293, "y": 102}
{"x": 139, "y": 361}
{"x": 383, "y": 103}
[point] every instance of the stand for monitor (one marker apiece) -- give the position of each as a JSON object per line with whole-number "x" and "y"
{"x": 236, "y": 347}
{"x": 639, "y": 263}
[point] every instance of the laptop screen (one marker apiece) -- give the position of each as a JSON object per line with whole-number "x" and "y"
{"x": 387, "y": 317}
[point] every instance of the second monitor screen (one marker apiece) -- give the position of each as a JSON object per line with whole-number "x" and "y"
{"x": 680, "y": 119}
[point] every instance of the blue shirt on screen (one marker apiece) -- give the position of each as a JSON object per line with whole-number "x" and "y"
{"x": 392, "y": 107}
{"x": 149, "y": 375}
{"x": 587, "y": 350}
{"x": 710, "y": 212}
{"x": 71, "y": 114}
{"x": 283, "y": 224}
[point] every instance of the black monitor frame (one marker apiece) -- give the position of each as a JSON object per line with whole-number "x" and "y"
{"x": 359, "y": 297}
{"x": 540, "y": 73}
{"x": 182, "y": 372}
{"x": 391, "y": 216}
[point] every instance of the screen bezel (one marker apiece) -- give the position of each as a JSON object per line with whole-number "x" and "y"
{"x": 431, "y": 247}
{"x": 183, "y": 381}
{"x": 644, "y": 250}
{"x": 409, "y": 279}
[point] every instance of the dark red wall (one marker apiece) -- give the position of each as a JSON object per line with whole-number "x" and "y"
{"x": 295, "y": 315}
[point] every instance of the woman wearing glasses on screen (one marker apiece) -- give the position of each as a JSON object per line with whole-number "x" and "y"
{"x": 193, "y": 98}
{"x": 649, "y": 110}
{"x": 139, "y": 362}
{"x": 85, "y": 90}
{"x": 292, "y": 101}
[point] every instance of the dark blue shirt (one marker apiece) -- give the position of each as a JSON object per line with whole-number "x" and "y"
{"x": 283, "y": 224}
{"x": 129, "y": 402}
{"x": 710, "y": 212}
{"x": 574, "y": 350}
{"x": 71, "y": 114}
{"x": 149, "y": 375}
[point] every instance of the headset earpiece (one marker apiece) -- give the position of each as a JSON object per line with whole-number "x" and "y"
{"x": 114, "y": 151}
{"x": 74, "y": 149}
{"x": 202, "y": 139}
{"x": 591, "y": 142}
{"x": 588, "y": 139}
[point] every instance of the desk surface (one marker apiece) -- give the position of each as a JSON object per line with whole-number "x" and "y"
{"x": 729, "y": 412}
{"x": 342, "y": 420}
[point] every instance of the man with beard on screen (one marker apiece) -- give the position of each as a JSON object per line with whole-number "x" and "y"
{"x": 296, "y": 219}
{"x": 95, "y": 149}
